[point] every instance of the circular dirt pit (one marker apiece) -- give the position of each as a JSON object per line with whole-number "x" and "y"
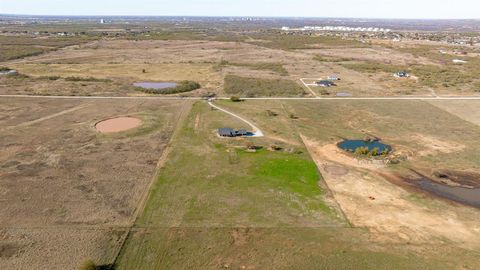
{"x": 117, "y": 124}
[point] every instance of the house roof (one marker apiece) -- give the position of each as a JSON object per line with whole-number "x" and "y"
{"x": 226, "y": 131}
{"x": 325, "y": 82}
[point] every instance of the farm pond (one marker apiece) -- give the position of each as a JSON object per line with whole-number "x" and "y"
{"x": 352, "y": 145}
{"x": 155, "y": 85}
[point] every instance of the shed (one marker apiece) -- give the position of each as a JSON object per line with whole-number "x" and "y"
{"x": 401, "y": 74}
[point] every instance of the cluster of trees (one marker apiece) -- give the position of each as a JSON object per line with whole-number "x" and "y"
{"x": 182, "y": 87}
{"x": 364, "y": 151}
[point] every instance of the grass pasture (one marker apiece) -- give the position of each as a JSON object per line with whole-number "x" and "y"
{"x": 259, "y": 210}
{"x": 259, "y": 87}
{"x": 69, "y": 191}
{"x": 15, "y": 47}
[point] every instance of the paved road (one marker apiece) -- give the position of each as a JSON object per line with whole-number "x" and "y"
{"x": 258, "y": 98}
{"x": 256, "y": 131}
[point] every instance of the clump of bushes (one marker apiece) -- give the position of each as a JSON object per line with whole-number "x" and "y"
{"x": 235, "y": 99}
{"x": 5, "y": 69}
{"x": 271, "y": 113}
{"x": 85, "y": 79}
{"x": 51, "y": 78}
{"x": 364, "y": 151}
{"x": 182, "y": 87}
{"x": 88, "y": 265}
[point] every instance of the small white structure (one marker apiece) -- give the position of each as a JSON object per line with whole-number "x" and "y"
{"x": 8, "y": 72}
{"x": 102, "y": 21}
{"x": 333, "y": 78}
{"x": 459, "y": 61}
{"x": 401, "y": 74}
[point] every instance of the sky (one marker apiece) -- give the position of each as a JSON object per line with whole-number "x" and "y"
{"x": 407, "y": 9}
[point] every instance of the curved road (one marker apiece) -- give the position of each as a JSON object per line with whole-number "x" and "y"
{"x": 256, "y": 131}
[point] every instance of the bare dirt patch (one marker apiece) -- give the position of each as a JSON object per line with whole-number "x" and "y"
{"x": 117, "y": 124}
{"x": 388, "y": 210}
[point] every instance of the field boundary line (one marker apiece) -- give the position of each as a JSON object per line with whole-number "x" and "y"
{"x": 48, "y": 117}
{"x": 318, "y": 165}
{"x": 186, "y": 107}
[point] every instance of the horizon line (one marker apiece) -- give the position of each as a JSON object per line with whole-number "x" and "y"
{"x": 241, "y": 16}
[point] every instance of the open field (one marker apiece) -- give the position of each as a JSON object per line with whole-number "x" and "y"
{"x": 14, "y": 47}
{"x": 364, "y": 71}
{"x": 172, "y": 194}
{"x": 203, "y": 218}
{"x": 465, "y": 110}
{"x": 69, "y": 192}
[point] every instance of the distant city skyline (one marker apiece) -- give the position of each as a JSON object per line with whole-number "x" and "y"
{"x": 382, "y": 9}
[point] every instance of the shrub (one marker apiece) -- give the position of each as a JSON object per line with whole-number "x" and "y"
{"x": 182, "y": 87}
{"x": 375, "y": 152}
{"x": 86, "y": 79}
{"x": 292, "y": 116}
{"x": 361, "y": 151}
{"x": 88, "y": 265}
{"x": 271, "y": 113}
{"x": 51, "y": 78}
{"x": 235, "y": 99}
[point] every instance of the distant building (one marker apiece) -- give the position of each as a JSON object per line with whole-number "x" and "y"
{"x": 459, "y": 61}
{"x": 333, "y": 78}
{"x": 325, "y": 83}
{"x": 102, "y": 21}
{"x": 8, "y": 72}
{"x": 401, "y": 74}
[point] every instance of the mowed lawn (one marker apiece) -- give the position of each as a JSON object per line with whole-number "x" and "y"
{"x": 216, "y": 206}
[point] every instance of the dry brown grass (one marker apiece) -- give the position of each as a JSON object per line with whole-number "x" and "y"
{"x": 68, "y": 188}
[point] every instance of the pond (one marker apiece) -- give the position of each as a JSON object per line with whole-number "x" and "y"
{"x": 343, "y": 94}
{"x": 352, "y": 145}
{"x": 468, "y": 196}
{"x": 155, "y": 85}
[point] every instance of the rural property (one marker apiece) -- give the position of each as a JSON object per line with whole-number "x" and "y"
{"x": 200, "y": 144}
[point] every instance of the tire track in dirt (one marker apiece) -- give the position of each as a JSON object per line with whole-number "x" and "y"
{"x": 48, "y": 117}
